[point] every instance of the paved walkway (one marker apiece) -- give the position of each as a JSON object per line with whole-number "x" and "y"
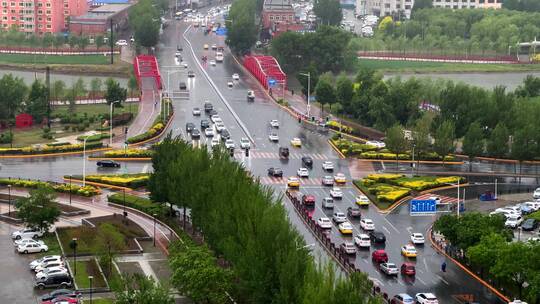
{"x": 148, "y": 108}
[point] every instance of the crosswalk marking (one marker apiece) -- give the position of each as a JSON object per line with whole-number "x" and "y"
{"x": 275, "y": 155}
{"x": 270, "y": 180}
{"x": 444, "y": 199}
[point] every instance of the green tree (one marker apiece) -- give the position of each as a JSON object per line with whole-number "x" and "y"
{"x": 512, "y": 264}
{"x": 100, "y": 41}
{"x": 107, "y": 243}
{"x": 73, "y": 41}
{"x": 497, "y": 143}
{"x": 142, "y": 290}
{"x": 421, "y": 4}
{"x": 58, "y": 89}
{"x": 486, "y": 252}
{"x": 115, "y": 93}
{"x": 36, "y": 104}
{"x": 523, "y": 145}
{"x": 193, "y": 267}
{"x": 95, "y": 86}
{"x": 241, "y": 28}
{"x": 147, "y": 33}
{"x": 324, "y": 90}
{"x": 473, "y": 142}
{"x": 396, "y": 142}
{"x": 39, "y": 209}
{"x": 530, "y": 87}
{"x": 421, "y": 137}
{"x": 328, "y": 12}
{"x": 344, "y": 91}
{"x": 12, "y": 94}
{"x": 132, "y": 84}
{"x": 444, "y": 139}
{"x": 83, "y": 42}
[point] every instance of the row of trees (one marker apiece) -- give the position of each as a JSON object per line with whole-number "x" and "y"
{"x": 522, "y": 5}
{"x": 455, "y": 31}
{"x": 246, "y": 224}
{"x": 241, "y": 28}
{"x": 487, "y": 247}
{"x": 145, "y": 21}
{"x": 14, "y": 37}
{"x": 328, "y": 12}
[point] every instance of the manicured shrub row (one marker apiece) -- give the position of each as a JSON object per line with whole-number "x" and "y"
{"x": 58, "y": 144}
{"x": 122, "y": 180}
{"x": 142, "y": 204}
{"x": 49, "y": 149}
{"x": 155, "y": 130}
{"x": 94, "y": 137}
{"x": 63, "y": 188}
{"x": 129, "y": 153}
{"x": 335, "y": 125}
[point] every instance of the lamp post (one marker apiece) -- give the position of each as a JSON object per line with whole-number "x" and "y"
{"x": 308, "y": 74}
{"x": 73, "y": 245}
{"x": 84, "y": 162}
{"x": 70, "y": 176}
{"x": 457, "y": 194}
{"x": 412, "y": 164}
{"x": 495, "y": 188}
{"x": 125, "y": 213}
{"x": 9, "y": 200}
{"x": 154, "y": 229}
{"x": 90, "y": 278}
{"x": 111, "y": 124}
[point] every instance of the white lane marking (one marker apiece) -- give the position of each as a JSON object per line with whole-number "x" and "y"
{"x": 391, "y": 225}
{"x": 446, "y": 282}
{"x": 400, "y": 283}
{"x": 386, "y": 229}
{"x": 383, "y": 166}
{"x": 425, "y": 263}
{"x": 144, "y": 169}
{"x": 421, "y": 281}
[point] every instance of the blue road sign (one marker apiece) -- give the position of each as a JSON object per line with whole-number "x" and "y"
{"x": 423, "y": 207}
{"x": 221, "y": 31}
{"x": 271, "y": 82}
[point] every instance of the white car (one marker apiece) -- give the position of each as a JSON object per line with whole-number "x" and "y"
{"x": 50, "y": 264}
{"x": 28, "y": 233}
{"x": 229, "y": 144}
{"x": 533, "y": 205}
{"x": 328, "y": 203}
{"x": 209, "y": 132}
{"x": 328, "y": 166}
{"x": 274, "y": 123}
{"x": 27, "y": 241}
{"x": 44, "y": 260}
{"x": 426, "y": 298}
{"x": 536, "y": 193}
{"x": 389, "y": 268}
{"x": 513, "y": 221}
{"x": 178, "y": 54}
{"x": 244, "y": 143}
{"x": 48, "y": 271}
{"x": 220, "y": 127}
{"x": 215, "y": 118}
{"x": 336, "y": 193}
{"x": 302, "y": 172}
{"x": 212, "y": 62}
{"x": 235, "y": 76}
{"x": 214, "y": 47}
{"x": 367, "y": 224}
{"x": 273, "y": 137}
{"x": 417, "y": 238}
{"x": 362, "y": 240}
{"x": 121, "y": 42}
{"x": 378, "y": 144}
{"x": 184, "y": 64}
{"x": 324, "y": 223}
{"x": 348, "y": 247}
{"x": 339, "y": 217}
{"x": 517, "y": 302}
{"x": 215, "y": 142}
{"x": 32, "y": 248}
{"x": 196, "y": 112}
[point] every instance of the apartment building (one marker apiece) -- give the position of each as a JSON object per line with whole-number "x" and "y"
{"x": 459, "y": 4}
{"x": 39, "y": 16}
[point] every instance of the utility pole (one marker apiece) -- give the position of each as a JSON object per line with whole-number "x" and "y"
{"x": 111, "y": 42}
{"x": 48, "y": 84}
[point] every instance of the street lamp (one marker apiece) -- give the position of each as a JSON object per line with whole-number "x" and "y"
{"x": 412, "y": 164}
{"x": 125, "y": 213}
{"x": 91, "y": 278}
{"x": 70, "y": 176}
{"x": 154, "y": 229}
{"x": 73, "y": 245}
{"x": 84, "y": 162}
{"x": 308, "y": 74}
{"x": 9, "y": 200}
{"x": 458, "y": 204}
{"x": 111, "y": 124}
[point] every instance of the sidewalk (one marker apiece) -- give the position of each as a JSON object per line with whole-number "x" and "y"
{"x": 148, "y": 107}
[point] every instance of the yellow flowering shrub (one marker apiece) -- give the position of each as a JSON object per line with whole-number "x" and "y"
{"x": 129, "y": 153}
{"x": 64, "y": 188}
{"x": 122, "y": 180}
{"x": 392, "y": 196}
{"x": 381, "y": 177}
{"x": 155, "y": 130}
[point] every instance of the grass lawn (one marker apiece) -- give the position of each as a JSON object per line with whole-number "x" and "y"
{"x": 103, "y": 301}
{"x": 94, "y": 109}
{"x": 55, "y": 59}
{"x": 85, "y": 269}
{"x": 426, "y": 67}
{"x": 51, "y": 241}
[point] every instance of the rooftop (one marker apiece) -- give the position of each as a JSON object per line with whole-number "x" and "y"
{"x": 100, "y": 14}
{"x": 276, "y": 5}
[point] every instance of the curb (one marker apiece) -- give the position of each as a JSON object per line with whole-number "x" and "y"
{"x": 121, "y": 158}
{"x": 54, "y": 154}
{"x": 341, "y": 155}
{"x": 477, "y": 278}
{"x": 155, "y": 137}
{"x": 411, "y": 161}
{"x": 79, "y": 181}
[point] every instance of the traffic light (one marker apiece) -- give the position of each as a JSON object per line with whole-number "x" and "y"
{"x": 327, "y": 118}
{"x": 247, "y": 152}
{"x": 231, "y": 152}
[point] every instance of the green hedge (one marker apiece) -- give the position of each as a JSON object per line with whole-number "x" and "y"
{"x": 49, "y": 149}
{"x": 154, "y": 131}
{"x": 136, "y": 180}
{"x": 142, "y": 204}
{"x": 64, "y": 143}
{"x": 94, "y": 137}
{"x": 64, "y": 188}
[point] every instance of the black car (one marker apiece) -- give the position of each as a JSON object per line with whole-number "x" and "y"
{"x": 108, "y": 164}
{"x": 62, "y": 280}
{"x": 225, "y": 134}
{"x": 183, "y": 86}
{"x": 307, "y": 161}
{"x": 208, "y": 107}
{"x": 195, "y": 134}
{"x": 189, "y": 127}
{"x": 205, "y": 124}
{"x": 65, "y": 293}
{"x": 529, "y": 224}
{"x": 377, "y": 237}
{"x": 353, "y": 212}
{"x": 276, "y": 172}
{"x": 283, "y": 152}
{"x": 212, "y": 112}
{"x": 190, "y": 74}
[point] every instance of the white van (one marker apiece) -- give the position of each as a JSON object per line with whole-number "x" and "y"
{"x": 219, "y": 57}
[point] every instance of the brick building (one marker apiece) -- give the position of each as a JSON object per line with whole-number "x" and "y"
{"x": 39, "y": 16}
{"x": 97, "y": 21}
{"x": 278, "y": 17}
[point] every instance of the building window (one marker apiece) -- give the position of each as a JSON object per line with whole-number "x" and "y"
{"x": 48, "y": 5}
{"x": 40, "y": 26}
{"x": 48, "y": 12}
{"x": 40, "y": 12}
{"x": 48, "y": 26}
{"x": 13, "y": 18}
{"x": 40, "y": 19}
{"x": 387, "y": 5}
{"x": 12, "y": 3}
{"x": 48, "y": 19}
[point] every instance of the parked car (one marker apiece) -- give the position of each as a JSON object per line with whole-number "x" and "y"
{"x": 536, "y": 193}
{"x": 308, "y": 200}
{"x": 377, "y": 237}
{"x": 354, "y": 212}
{"x": 28, "y": 233}
{"x": 44, "y": 260}
{"x": 513, "y": 221}
{"x": 64, "y": 293}
{"x": 276, "y": 172}
{"x": 328, "y": 166}
{"x": 379, "y": 256}
{"x": 339, "y": 217}
{"x": 389, "y": 268}
{"x": 324, "y": 223}
{"x": 328, "y": 203}
{"x": 50, "y": 271}
{"x": 307, "y": 161}
{"x": 367, "y": 224}
{"x": 402, "y": 298}
{"x": 525, "y": 209}
{"x": 327, "y": 180}
{"x": 408, "y": 269}
{"x": 533, "y": 205}
{"x": 32, "y": 248}
{"x": 529, "y": 224}
{"x": 417, "y": 238}
{"x": 17, "y": 243}
{"x": 426, "y": 298}
{"x": 362, "y": 240}
{"x": 347, "y": 248}
{"x": 108, "y": 164}
{"x": 61, "y": 280}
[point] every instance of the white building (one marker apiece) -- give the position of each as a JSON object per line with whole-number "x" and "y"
{"x": 459, "y": 4}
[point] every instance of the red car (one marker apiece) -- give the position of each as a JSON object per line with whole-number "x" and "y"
{"x": 379, "y": 256}
{"x": 308, "y": 200}
{"x": 62, "y": 300}
{"x": 408, "y": 269}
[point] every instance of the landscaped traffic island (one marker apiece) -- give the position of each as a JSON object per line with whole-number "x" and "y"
{"x": 86, "y": 191}
{"x": 135, "y": 180}
{"x": 386, "y": 189}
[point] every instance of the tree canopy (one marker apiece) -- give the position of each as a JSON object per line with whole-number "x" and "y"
{"x": 241, "y": 29}
{"x": 39, "y": 209}
{"x": 328, "y": 12}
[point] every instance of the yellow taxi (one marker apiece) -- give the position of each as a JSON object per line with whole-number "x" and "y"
{"x": 340, "y": 178}
{"x": 293, "y": 182}
{"x": 296, "y": 142}
{"x": 361, "y": 200}
{"x": 205, "y": 46}
{"x": 409, "y": 251}
{"x": 345, "y": 228}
